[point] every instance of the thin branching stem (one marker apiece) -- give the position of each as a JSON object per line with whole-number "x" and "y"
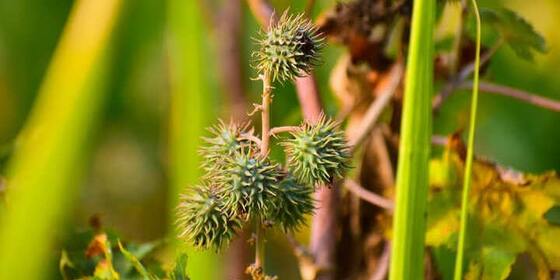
{"x": 283, "y": 129}
{"x": 524, "y": 96}
{"x": 250, "y": 137}
{"x": 483, "y": 59}
{"x": 470, "y": 147}
{"x": 265, "y": 140}
{"x": 265, "y": 114}
{"x": 376, "y": 108}
{"x": 383, "y": 266}
{"x": 306, "y": 261}
{"x": 368, "y": 196}
{"x": 465, "y": 72}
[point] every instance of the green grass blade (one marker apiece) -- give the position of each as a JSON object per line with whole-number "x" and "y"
{"x": 190, "y": 110}
{"x": 43, "y": 175}
{"x": 416, "y": 128}
{"x": 470, "y": 147}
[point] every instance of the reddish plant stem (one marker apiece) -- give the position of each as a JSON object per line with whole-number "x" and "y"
{"x": 527, "y": 97}
{"x": 465, "y": 72}
{"x": 262, "y": 11}
{"x": 323, "y": 231}
{"x": 252, "y": 138}
{"x": 2, "y": 190}
{"x": 229, "y": 23}
{"x": 325, "y": 221}
{"x": 383, "y": 267}
{"x": 282, "y": 129}
{"x": 368, "y": 196}
{"x": 309, "y": 99}
{"x": 229, "y": 31}
{"x": 238, "y": 256}
{"x": 386, "y": 171}
{"x": 385, "y": 90}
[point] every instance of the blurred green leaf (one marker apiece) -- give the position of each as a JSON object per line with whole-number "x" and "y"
{"x": 474, "y": 271}
{"x": 51, "y": 149}
{"x": 444, "y": 260}
{"x": 180, "y": 270}
{"x": 64, "y": 264}
{"x": 497, "y": 263}
{"x": 135, "y": 262}
{"x": 553, "y": 215}
{"x": 515, "y": 31}
{"x": 142, "y": 250}
{"x": 190, "y": 110}
{"x": 444, "y": 44}
{"x": 88, "y": 255}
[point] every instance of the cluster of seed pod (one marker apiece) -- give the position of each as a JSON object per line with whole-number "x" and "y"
{"x": 241, "y": 182}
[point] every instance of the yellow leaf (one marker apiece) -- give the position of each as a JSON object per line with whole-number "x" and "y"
{"x": 441, "y": 230}
{"x": 548, "y": 241}
{"x": 474, "y": 271}
{"x": 507, "y": 209}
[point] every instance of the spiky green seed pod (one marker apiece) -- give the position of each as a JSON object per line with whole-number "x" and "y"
{"x": 294, "y": 202}
{"x": 224, "y": 142}
{"x": 250, "y": 183}
{"x": 202, "y": 219}
{"x": 317, "y": 153}
{"x": 289, "y": 49}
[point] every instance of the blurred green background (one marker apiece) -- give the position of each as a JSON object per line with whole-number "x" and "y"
{"x": 159, "y": 79}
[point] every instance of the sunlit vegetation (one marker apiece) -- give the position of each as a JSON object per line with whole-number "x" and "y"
{"x": 281, "y": 139}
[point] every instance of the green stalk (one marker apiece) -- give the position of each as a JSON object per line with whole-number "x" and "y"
{"x": 470, "y": 147}
{"x": 259, "y": 246}
{"x": 53, "y": 147}
{"x": 416, "y": 128}
{"x": 191, "y": 97}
